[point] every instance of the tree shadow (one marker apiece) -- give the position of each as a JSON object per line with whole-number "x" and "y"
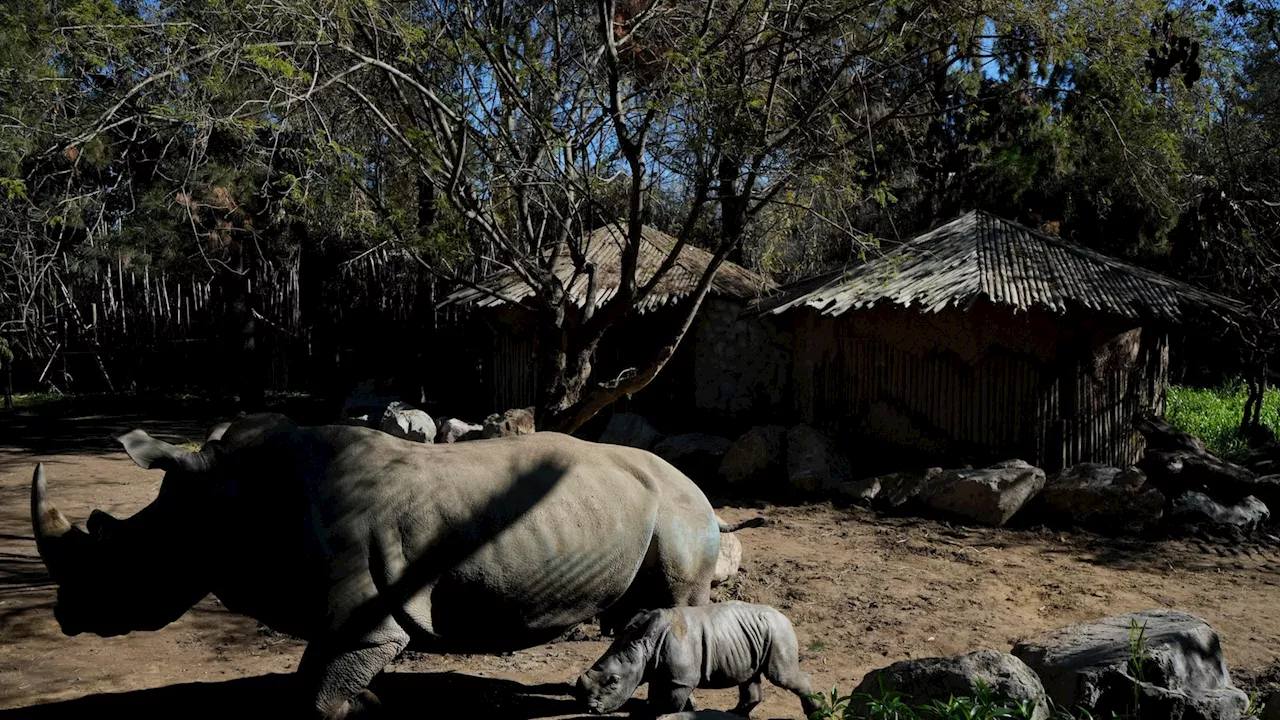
{"x": 89, "y": 425}
{"x": 403, "y": 695}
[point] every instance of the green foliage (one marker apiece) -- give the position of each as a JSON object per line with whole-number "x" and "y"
{"x": 887, "y": 704}
{"x": 1213, "y": 414}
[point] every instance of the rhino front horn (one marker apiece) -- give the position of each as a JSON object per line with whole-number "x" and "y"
{"x": 46, "y": 520}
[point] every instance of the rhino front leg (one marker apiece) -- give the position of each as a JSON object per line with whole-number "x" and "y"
{"x": 337, "y": 674}
{"x": 668, "y": 697}
{"x": 749, "y": 695}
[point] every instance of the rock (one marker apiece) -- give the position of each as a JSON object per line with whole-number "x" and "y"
{"x": 1194, "y": 508}
{"x": 451, "y": 430}
{"x": 631, "y": 430}
{"x": 1160, "y": 435}
{"x": 1271, "y": 706}
{"x": 1217, "y": 478}
{"x": 939, "y": 678}
{"x": 903, "y": 489}
{"x": 1088, "y": 665}
{"x": 814, "y": 463}
{"x": 366, "y": 399}
{"x": 1161, "y": 466}
{"x": 1099, "y": 497}
{"x": 861, "y": 492}
{"x": 756, "y": 457}
{"x": 989, "y": 496}
{"x": 517, "y": 421}
{"x": 729, "y": 560}
{"x": 1217, "y": 704}
{"x": 697, "y": 455}
{"x": 405, "y": 421}
{"x": 700, "y": 715}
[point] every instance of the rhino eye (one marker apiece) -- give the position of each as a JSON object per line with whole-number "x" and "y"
{"x": 614, "y": 679}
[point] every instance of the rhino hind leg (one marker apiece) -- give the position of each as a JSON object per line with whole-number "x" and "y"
{"x": 749, "y": 696}
{"x": 337, "y": 675}
{"x": 783, "y": 667}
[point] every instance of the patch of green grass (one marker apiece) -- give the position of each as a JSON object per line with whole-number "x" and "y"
{"x": 1213, "y": 414}
{"x": 24, "y": 401}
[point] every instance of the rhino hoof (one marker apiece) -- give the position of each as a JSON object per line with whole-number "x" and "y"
{"x": 363, "y": 705}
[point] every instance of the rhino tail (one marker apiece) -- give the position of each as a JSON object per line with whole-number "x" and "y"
{"x": 753, "y": 522}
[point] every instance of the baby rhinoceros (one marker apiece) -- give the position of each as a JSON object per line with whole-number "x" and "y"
{"x": 675, "y": 650}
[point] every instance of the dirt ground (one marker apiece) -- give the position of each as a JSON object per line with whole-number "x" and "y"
{"x": 862, "y": 590}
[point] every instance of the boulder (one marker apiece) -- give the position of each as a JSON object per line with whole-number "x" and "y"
{"x": 405, "y": 421}
{"x": 631, "y": 430}
{"x": 451, "y": 430}
{"x": 700, "y": 715}
{"x": 1088, "y": 666}
{"x": 367, "y": 398}
{"x": 1160, "y": 466}
{"x": 814, "y": 463}
{"x": 1271, "y": 706}
{"x": 756, "y": 457}
{"x": 902, "y": 489}
{"x": 1266, "y": 489}
{"x": 989, "y": 496}
{"x": 1160, "y": 435}
{"x": 940, "y": 678}
{"x": 1099, "y": 497}
{"x": 1216, "y": 477}
{"x": 729, "y": 559}
{"x": 697, "y": 455}
{"x": 1194, "y": 508}
{"x": 517, "y": 421}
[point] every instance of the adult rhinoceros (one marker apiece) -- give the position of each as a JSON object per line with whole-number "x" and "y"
{"x": 365, "y": 544}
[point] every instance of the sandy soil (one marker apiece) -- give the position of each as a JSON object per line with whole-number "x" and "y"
{"x": 862, "y": 590}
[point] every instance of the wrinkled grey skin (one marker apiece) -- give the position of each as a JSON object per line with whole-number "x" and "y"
{"x": 365, "y": 544}
{"x": 678, "y": 649}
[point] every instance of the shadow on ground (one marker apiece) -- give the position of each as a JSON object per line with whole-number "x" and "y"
{"x": 404, "y": 695}
{"x": 89, "y": 425}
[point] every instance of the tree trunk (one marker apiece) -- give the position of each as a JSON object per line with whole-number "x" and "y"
{"x": 1257, "y": 385}
{"x": 564, "y": 372}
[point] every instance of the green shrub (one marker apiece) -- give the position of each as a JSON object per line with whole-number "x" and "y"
{"x": 1213, "y": 414}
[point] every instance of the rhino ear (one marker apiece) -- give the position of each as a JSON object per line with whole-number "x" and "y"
{"x": 149, "y": 452}
{"x": 102, "y": 525}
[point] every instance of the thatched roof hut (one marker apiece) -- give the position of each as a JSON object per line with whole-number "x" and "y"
{"x": 603, "y": 248}
{"x": 693, "y": 380}
{"x": 986, "y": 339}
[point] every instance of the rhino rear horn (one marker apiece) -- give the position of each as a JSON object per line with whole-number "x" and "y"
{"x": 217, "y": 431}
{"x": 148, "y": 452}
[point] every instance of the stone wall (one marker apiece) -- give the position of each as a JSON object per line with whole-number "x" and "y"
{"x": 741, "y": 365}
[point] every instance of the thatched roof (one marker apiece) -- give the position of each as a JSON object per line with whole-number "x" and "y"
{"x": 603, "y": 248}
{"x": 979, "y": 254}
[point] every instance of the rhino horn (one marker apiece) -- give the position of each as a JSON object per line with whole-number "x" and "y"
{"x": 218, "y": 431}
{"x": 46, "y": 520}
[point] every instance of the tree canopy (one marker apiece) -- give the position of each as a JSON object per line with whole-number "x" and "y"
{"x": 786, "y": 135}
